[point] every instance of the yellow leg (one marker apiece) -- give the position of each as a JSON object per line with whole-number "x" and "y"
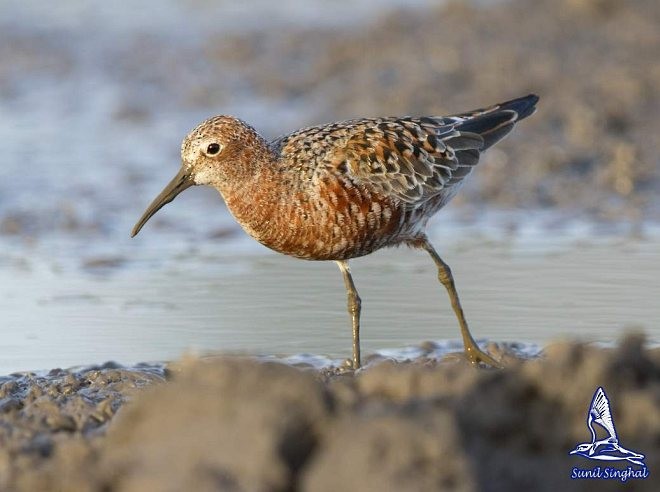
{"x": 472, "y": 350}
{"x": 354, "y": 304}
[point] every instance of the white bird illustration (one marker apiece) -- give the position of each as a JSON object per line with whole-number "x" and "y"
{"x": 607, "y": 449}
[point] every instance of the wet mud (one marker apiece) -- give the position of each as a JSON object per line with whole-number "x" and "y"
{"x": 228, "y": 423}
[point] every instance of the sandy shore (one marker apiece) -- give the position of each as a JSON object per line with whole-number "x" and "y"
{"x": 228, "y": 423}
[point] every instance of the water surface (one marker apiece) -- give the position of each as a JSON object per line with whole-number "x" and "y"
{"x": 208, "y": 298}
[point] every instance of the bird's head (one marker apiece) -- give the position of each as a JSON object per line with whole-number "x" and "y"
{"x": 581, "y": 448}
{"x": 217, "y": 152}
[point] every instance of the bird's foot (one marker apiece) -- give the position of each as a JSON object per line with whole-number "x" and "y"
{"x": 349, "y": 365}
{"x": 475, "y": 355}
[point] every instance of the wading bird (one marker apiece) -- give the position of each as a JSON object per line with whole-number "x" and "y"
{"x": 344, "y": 190}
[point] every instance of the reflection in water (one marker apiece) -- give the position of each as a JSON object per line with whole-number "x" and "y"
{"x": 269, "y": 304}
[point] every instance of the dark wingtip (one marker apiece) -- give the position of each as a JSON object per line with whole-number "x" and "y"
{"x": 524, "y": 106}
{"x": 496, "y": 122}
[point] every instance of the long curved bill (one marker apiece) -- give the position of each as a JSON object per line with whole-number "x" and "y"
{"x": 181, "y": 181}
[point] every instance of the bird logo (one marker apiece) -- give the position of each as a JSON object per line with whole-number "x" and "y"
{"x": 607, "y": 449}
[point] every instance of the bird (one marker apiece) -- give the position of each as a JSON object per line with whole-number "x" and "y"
{"x": 607, "y": 449}
{"x": 343, "y": 190}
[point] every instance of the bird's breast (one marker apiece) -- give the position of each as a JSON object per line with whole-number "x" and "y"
{"x": 332, "y": 220}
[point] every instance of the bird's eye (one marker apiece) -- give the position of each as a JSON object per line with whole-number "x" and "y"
{"x": 213, "y": 149}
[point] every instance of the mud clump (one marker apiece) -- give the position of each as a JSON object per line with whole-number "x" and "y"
{"x": 54, "y": 419}
{"x": 238, "y": 424}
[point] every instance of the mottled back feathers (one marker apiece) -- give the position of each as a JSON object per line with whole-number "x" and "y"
{"x": 409, "y": 159}
{"x": 341, "y": 190}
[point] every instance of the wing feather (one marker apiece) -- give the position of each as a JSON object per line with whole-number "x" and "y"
{"x": 407, "y": 159}
{"x": 601, "y": 413}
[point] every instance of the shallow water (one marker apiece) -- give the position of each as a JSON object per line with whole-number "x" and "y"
{"x": 207, "y": 298}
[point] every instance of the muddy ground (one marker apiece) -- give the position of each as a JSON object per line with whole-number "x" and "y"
{"x": 230, "y": 423}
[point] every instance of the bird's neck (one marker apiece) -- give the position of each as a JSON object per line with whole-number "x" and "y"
{"x": 255, "y": 195}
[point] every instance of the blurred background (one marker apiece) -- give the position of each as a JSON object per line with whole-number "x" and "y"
{"x": 556, "y": 233}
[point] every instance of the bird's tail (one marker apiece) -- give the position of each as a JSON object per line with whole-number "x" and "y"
{"x": 495, "y": 122}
